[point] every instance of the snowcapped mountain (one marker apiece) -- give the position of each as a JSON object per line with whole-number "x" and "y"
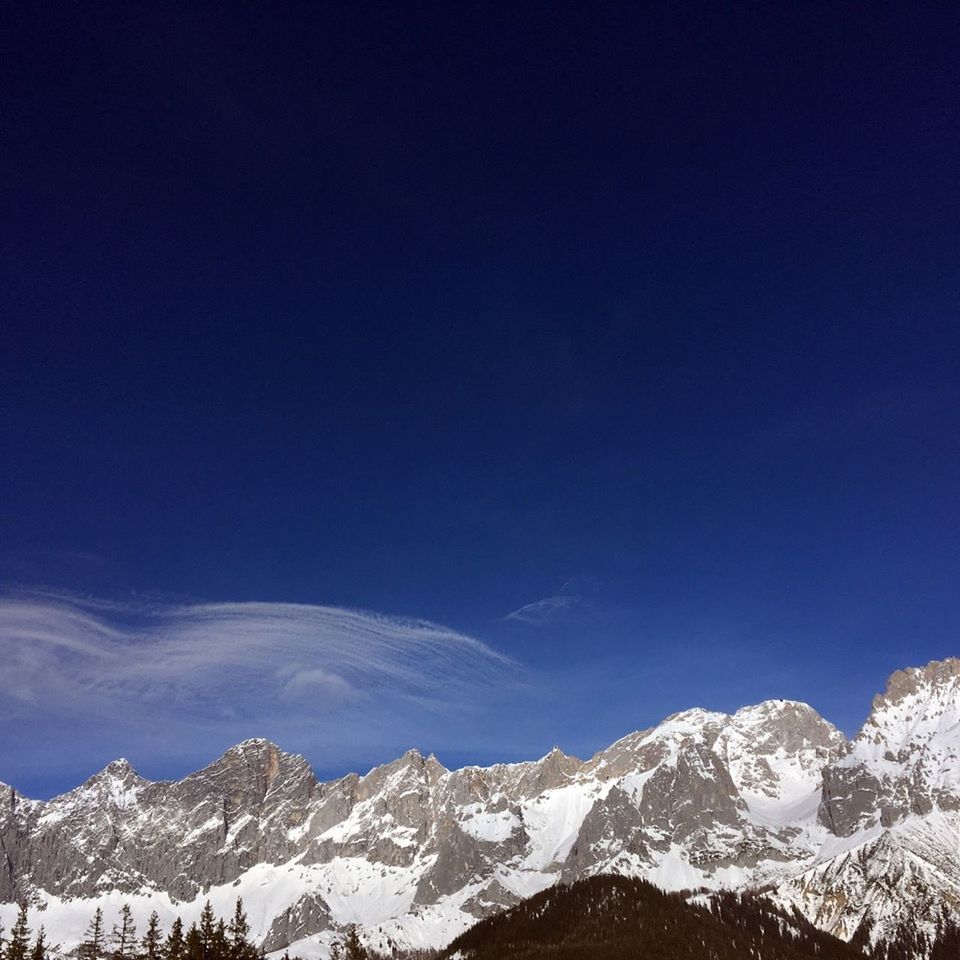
{"x": 771, "y": 796}
{"x": 891, "y": 806}
{"x": 906, "y": 759}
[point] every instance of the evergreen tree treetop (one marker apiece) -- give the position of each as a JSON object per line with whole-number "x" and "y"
{"x": 18, "y": 946}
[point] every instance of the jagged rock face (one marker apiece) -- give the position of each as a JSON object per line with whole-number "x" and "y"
{"x": 18, "y": 817}
{"x": 906, "y": 759}
{"x": 309, "y": 915}
{"x": 884, "y": 878}
{"x": 891, "y": 806}
{"x": 778, "y": 747}
{"x": 772, "y": 794}
{"x": 118, "y": 831}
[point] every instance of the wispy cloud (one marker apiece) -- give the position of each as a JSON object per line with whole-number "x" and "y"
{"x": 560, "y": 605}
{"x": 65, "y": 654}
{"x": 543, "y": 611}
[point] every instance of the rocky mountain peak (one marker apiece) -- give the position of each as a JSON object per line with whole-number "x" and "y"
{"x": 920, "y": 706}
{"x": 694, "y": 729}
{"x": 116, "y": 786}
{"x": 788, "y": 725}
{"x": 10, "y": 798}
{"x": 256, "y": 760}
{"x": 549, "y": 772}
{"x": 906, "y": 757}
{"x": 434, "y": 768}
{"x": 410, "y": 771}
{"x": 697, "y": 723}
{"x": 936, "y": 675}
{"x": 427, "y": 768}
{"x": 777, "y": 749}
{"x": 119, "y": 769}
{"x": 557, "y": 759}
{"x": 253, "y": 777}
{"x": 254, "y": 753}
{"x": 776, "y": 709}
{"x": 254, "y": 743}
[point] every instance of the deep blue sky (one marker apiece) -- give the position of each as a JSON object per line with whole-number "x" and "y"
{"x": 442, "y": 310}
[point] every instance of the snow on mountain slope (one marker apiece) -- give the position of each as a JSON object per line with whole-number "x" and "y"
{"x": 906, "y": 758}
{"x": 882, "y": 877}
{"x": 776, "y": 750}
{"x": 415, "y": 853}
{"x": 891, "y": 805}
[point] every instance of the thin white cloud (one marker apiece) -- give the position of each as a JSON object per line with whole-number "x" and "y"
{"x": 573, "y": 594}
{"x": 543, "y": 611}
{"x": 77, "y": 656}
{"x": 318, "y": 683}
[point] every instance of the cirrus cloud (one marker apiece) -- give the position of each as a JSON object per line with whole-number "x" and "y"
{"x": 571, "y": 597}
{"x": 87, "y": 657}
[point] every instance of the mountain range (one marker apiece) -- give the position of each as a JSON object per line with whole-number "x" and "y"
{"x": 859, "y": 836}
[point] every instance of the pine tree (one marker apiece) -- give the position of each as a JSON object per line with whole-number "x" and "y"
{"x": 92, "y": 946}
{"x": 124, "y": 935}
{"x": 18, "y": 947}
{"x": 353, "y": 949}
{"x": 221, "y": 945}
{"x": 174, "y": 948}
{"x": 152, "y": 942}
{"x": 239, "y": 932}
{"x": 208, "y": 932}
{"x": 193, "y": 948}
{"x": 39, "y": 951}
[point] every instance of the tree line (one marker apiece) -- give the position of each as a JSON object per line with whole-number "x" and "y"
{"x": 208, "y": 939}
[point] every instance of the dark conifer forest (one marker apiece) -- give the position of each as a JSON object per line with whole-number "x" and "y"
{"x": 616, "y": 918}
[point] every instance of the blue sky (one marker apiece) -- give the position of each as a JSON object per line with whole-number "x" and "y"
{"x": 618, "y": 345}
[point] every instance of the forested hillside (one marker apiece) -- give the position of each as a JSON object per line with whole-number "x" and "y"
{"x": 615, "y": 918}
